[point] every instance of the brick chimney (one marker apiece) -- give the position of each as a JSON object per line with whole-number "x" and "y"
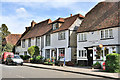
{"x": 70, "y": 14}
{"x": 27, "y": 28}
{"x": 33, "y": 23}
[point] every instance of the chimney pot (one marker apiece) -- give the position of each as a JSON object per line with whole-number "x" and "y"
{"x": 33, "y": 23}
{"x": 70, "y": 14}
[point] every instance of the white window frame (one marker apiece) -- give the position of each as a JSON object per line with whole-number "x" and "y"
{"x": 48, "y": 40}
{"x": 55, "y": 26}
{"x": 23, "y": 43}
{"x": 110, "y": 33}
{"x": 29, "y": 42}
{"x": 37, "y": 41}
{"x": 82, "y": 37}
{"x": 61, "y": 35}
{"x": 107, "y": 33}
{"x": 83, "y": 53}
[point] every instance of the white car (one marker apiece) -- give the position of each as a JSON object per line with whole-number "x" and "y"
{"x": 14, "y": 60}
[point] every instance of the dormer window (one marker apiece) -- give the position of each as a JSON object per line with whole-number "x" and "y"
{"x": 55, "y": 26}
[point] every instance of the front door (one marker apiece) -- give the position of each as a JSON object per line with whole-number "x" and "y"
{"x": 90, "y": 57}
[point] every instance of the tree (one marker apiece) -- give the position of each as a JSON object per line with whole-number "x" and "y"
{"x": 8, "y": 48}
{"x": 3, "y": 33}
{"x": 4, "y": 30}
{"x": 33, "y": 51}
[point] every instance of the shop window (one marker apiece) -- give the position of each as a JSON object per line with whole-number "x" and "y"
{"x": 62, "y": 52}
{"x": 99, "y": 52}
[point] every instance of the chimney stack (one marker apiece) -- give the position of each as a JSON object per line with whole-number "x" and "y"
{"x": 70, "y": 14}
{"x": 33, "y": 23}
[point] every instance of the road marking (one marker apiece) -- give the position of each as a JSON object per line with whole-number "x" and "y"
{"x": 20, "y": 76}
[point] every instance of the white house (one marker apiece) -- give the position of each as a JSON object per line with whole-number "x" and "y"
{"x": 62, "y": 40}
{"x": 99, "y": 34}
{"x": 55, "y": 39}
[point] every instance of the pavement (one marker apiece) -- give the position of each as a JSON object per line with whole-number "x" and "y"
{"x": 78, "y": 70}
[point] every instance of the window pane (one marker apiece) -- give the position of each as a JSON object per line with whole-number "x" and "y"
{"x": 110, "y": 33}
{"x": 61, "y": 35}
{"x": 102, "y": 34}
{"x": 79, "y": 37}
{"x": 106, "y": 33}
{"x": 85, "y": 37}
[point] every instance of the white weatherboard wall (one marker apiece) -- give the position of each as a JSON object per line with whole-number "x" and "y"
{"x": 94, "y": 39}
{"x": 33, "y": 43}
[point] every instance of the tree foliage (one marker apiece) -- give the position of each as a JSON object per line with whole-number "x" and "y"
{"x": 33, "y": 51}
{"x": 4, "y": 30}
{"x": 8, "y": 48}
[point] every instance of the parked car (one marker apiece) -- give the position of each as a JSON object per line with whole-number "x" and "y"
{"x": 4, "y": 56}
{"x": 14, "y": 60}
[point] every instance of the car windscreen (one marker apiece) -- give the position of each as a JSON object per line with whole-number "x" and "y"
{"x": 17, "y": 57}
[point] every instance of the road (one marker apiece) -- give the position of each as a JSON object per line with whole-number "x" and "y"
{"x": 11, "y": 71}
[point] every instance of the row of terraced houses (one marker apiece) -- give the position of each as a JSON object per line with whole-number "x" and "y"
{"x": 77, "y": 38}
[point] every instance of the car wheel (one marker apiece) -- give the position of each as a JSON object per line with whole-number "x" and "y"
{"x": 16, "y": 64}
{"x": 21, "y": 64}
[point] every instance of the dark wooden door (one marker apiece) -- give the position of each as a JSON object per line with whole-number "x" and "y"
{"x": 90, "y": 57}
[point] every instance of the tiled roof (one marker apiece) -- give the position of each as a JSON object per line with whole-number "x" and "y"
{"x": 19, "y": 41}
{"x": 68, "y": 22}
{"x": 59, "y": 20}
{"x": 39, "y": 29}
{"x": 103, "y": 15}
{"x": 12, "y": 39}
{"x": 46, "y": 26}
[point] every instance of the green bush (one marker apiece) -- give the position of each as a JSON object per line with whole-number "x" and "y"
{"x": 25, "y": 57}
{"x": 39, "y": 57}
{"x": 97, "y": 65}
{"x": 112, "y": 62}
{"x": 33, "y": 51}
{"x": 21, "y": 56}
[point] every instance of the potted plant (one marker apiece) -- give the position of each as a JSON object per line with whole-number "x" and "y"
{"x": 97, "y": 65}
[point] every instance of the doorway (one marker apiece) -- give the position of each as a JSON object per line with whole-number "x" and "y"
{"x": 90, "y": 57}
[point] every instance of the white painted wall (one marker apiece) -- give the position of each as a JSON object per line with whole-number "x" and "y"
{"x": 94, "y": 40}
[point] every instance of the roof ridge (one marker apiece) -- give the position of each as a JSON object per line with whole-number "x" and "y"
{"x": 74, "y": 16}
{"x": 44, "y": 21}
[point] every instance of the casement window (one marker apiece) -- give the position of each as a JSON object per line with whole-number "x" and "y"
{"x": 62, "y": 52}
{"x": 82, "y": 53}
{"x": 23, "y": 43}
{"x": 82, "y": 37}
{"x": 61, "y": 35}
{"x": 47, "y": 53}
{"x": 55, "y": 26}
{"x": 108, "y": 33}
{"x": 29, "y": 42}
{"x": 102, "y": 34}
{"x": 47, "y": 40}
{"x": 37, "y": 41}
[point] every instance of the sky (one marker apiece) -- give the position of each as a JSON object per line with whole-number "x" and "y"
{"x": 18, "y": 14}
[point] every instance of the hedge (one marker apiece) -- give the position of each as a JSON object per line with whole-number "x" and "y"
{"x": 112, "y": 62}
